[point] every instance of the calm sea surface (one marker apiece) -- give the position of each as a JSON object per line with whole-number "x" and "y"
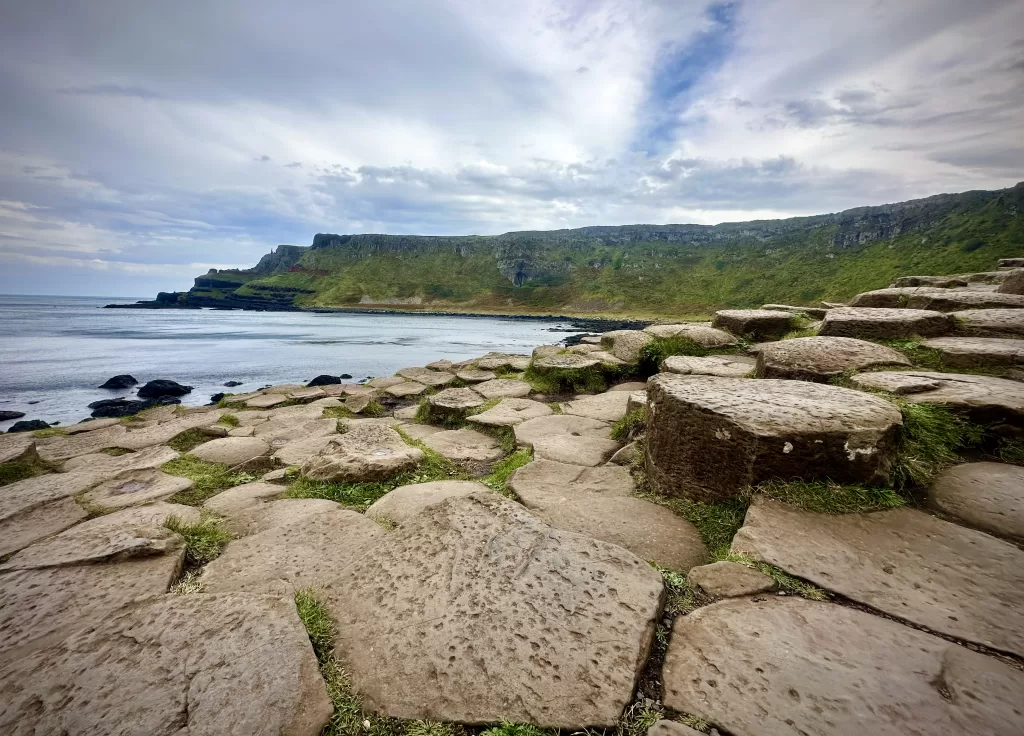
{"x": 54, "y": 351}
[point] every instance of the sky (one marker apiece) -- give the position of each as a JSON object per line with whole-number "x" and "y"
{"x": 142, "y": 143}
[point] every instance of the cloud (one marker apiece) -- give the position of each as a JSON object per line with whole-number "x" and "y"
{"x": 140, "y": 133}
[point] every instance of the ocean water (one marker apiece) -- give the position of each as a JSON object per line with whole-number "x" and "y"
{"x": 55, "y": 351}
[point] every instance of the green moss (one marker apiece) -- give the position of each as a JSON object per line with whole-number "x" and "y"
{"x": 826, "y": 497}
{"x": 629, "y": 426}
{"x": 570, "y": 380}
{"x": 208, "y": 479}
{"x": 931, "y": 439}
{"x": 116, "y": 451}
{"x": 204, "y": 540}
{"x": 338, "y": 412}
{"x": 375, "y": 409}
{"x": 229, "y": 419}
{"x": 50, "y": 432}
{"x": 503, "y": 470}
{"x": 15, "y": 470}
{"x": 188, "y": 440}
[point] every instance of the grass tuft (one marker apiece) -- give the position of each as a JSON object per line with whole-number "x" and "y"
{"x": 784, "y": 580}
{"x": 188, "y": 440}
{"x": 570, "y": 380}
{"x": 229, "y": 419}
{"x": 626, "y": 428}
{"x": 681, "y": 597}
{"x": 190, "y": 582}
{"x": 716, "y": 522}
{"x": 516, "y": 729}
{"x": 50, "y": 432}
{"x": 503, "y": 470}
{"x": 204, "y": 541}
{"x": 15, "y": 470}
{"x": 209, "y": 479}
{"x": 931, "y": 440}
{"x": 1011, "y": 451}
{"x": 337, "y": 412}
{"x": 318, "y": 623}
{"x": 116, "y": 451}
{"x": 826, "y": 497}
{"x": 696, "y": 723}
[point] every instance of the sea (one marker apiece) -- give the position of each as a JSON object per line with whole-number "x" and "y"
{"x": 56, "y": 350}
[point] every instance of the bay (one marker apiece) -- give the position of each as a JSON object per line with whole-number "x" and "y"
{"x": 55, "y": 351}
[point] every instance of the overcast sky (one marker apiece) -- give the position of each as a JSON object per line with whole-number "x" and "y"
{"x": 144, "y": 142}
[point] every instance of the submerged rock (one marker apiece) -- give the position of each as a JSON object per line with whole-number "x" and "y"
{"x": 163, "y": 387}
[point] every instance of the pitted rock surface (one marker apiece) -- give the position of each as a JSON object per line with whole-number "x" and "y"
{"x": 990, "y": 322}
{"x": 506, "y": 361}
{"x": 454, "y": 403}
{"x": 884, "y": 324}
{"x": 941, "y": 300}
{"x": 297, "y": 452}
{"x": 175, "y": 665}
{"x": 263, "y": 516}
{"x": 607, "y": 407}
{"x": 231, "y": 451}
{"x": 307, "y": 552}
{"x": 499, "y": 388}
{"x": 464, "y": 445}
{"x": 730, "y": 580}
{"x": 475, "y": 376}
{"x": 478, "y": 611}
{"x": 427, "y": 377}
{"x": 756, "y": 666}
{"x": 625, "y": 344}
{"x": 986, "y": 496}
{"x": 702, "y": 334}
{"x": 945, "y": 577}
{"x": 543, "y": 483}
{"x": 42, "y": 606}
{"x": 266, "y": 401}
{"x": 406, "y": 388}
{"x": 568, "y": 439}
{"x": 134, "y": 487}
{"x": 233, "y": 500}
{"x": 509, "y": 412}
{"x": 728, "y": 366}
{"x": 405, "y": 503}
{"x": 822, "y": 358}
{"x": 136, "y": 532}
{"x": 761, "y": 323}
{"x": 365, "y": 452}
{"x": 385, "y": 381}
{"x": 986, "y": 399}
{"x": 565, "y": 362}
{"x": 709, "y": 438}
{"x": 976, "y": 352}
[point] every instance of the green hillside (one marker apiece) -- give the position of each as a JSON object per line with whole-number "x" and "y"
{"x": 645, "y": 270}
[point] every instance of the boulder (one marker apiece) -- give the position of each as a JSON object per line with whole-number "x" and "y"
{"x": 941, "y": 300}
{"x": 772, "y": 665}
{"x": 406, "y": 388}
{"x": 232, "y": 384}
{"x": 544, "y": 483}
{"x": 541, "y": 350}
{"x": 1013, "y": 283}
{"x": 702, "y": 334}
{"x": 510, "y": 412}
{"x": 565, "y": 362}
{"x": 730, "y": 580}
{"x": 569, "y": 439}
{"x": 364, "y": 453}
{"x": 500, "y": 388}
{"x": 405, "y": 503}
{"x": 607, "y": 407}
{"x": 464, "y": 445}
{"x": 728, "y": 366}
{"x": 904, "y": 563}
{"x": 6, "y": 416}
{"x": 710, "y": 438}
{"x": 231, "y": 451}
{"x": 265, "y": 401}
{"x": 174, "y": 665}
{"x": 822, "y": 358}
{"x": 989, "y": 322}
{"x": 114, "y": 408}
{"x": 986, "y": 496}
{"x": 307, "y": 552}
{"x": 475, "y": 376}
{"x": 163, "y": 387}
{"x": 978, "y": 352}
{"x": 985, "y": 399}
{"x": 30, "y": 425}
{"x": 452, "y": 404}
{"x": 626, "y": 345}
{"x": 134, "y": 487}
{"x": 323, "y": 380}
{"x": 759, "y": 323}
{"x": 478, "y": 612}
{"x": 119, "y": 382}
{"x": 884, "y": 324}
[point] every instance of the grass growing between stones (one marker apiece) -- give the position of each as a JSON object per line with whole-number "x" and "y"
{"x": 188, "y": 440}
{"x": 569, "y": 380}
{"x": 931, "y": 440}
{"x": 653, "y": 354}
{"x": 784, "y": 580}
{"x": 204, "y": 540}
{"x": 626, "y": 428}
{"x": 228, "y": 419}
{"x": 15, "y": 470}
{"x": 503, "y": 470}
{"x": 826, "y": 497}
{"x": 716, "y": 522}
{"x": 116, "y": 451}
{"x": 209, "y": 479}
{"x": 49, "y": 432}
{"x": 1010, "y": 451}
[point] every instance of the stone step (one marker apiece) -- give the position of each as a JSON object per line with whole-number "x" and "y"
{"x": 941, "y": 300}
{"x": 986, "y": 496}
{"x": 822, "y": 358}
{"x": 761, "y": 324}
{"x": 878, "y": 323}
{"x": 978, "y": 352}
{"x": 989, "y": 323}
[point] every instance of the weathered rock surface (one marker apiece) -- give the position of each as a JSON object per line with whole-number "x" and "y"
{"x": 503, "y": 361}
{"x": 729, "y": 366}
{"x": 475, "y": 376}
{"x": 162, "y": 387}
{"x": 90, "y": 426}
{"x": 671, "y": 728}
{"x": 822, "y": 358}
{"x": 756, "y": 666}
{"x": 263, "y": 516}
{"x": 730, "y": 580}
{"x": 760, "y": 323}
{"x": 500, "y": 388}
{"x": 385, "y": 381}
{"x": 406, "y": 388}
{"x": 478, "y": 611}
{"x": 568, "y": 439}
{"x": 884, "y": 324}
{"x": 709, "y": 438}
{"x": 234, "y": 500}
{"x": 509, "y": 412}
{"x": 17, "y": 447}
{"x": 986, "y": 399}
{"x": 266, "y": 401}
{"x": 231, "y": 451}
{"x": 947, "y": 578}
{"x": 813, "y": 312}
{"x": 607, "y": 407}
{"x": 297, "y": 452}
{"x": 464, "y": 445}
{"x": 702, "y": 334}
{"x": 626, "y": 344}
{"x": 1013, "y": 283}
{"x": 178, "y": 664}
{"x": 990, "y": 322}
{"x": 305, "y": 553}
{"x": 987, "y": 496}
{"x": 365, "y": 452}
{"x": 303, "y": 394}
{"x": 565, "y": 362}
{"x": 544, "y": 483}
{"x": 405, "y": 503}
{"x": 134, "y": 487}
{"x": 941, "y": 300}
{"x": 427, "y": 377}
{"x": 977, "y": 352}
{"x": 453, "y": 403}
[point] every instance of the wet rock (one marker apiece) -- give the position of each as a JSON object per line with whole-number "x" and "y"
{"x": 364, "y": 453}
{"x": 822, "y": 358}
{"x": 989, "y": 322}
{"x": 941, "y": 300}
{"x": 773, "y": 665}
{"x": 499, "y": 388}
{"x": 231, "y": 451}
{"x": 945, "y": 577}
{"x": 324, "y": 380}
{"x": 30, "y": 425}
{"x": 510, "y": 412}
{"x": 177, "y": 664}
{"x": 404, "y": 504}
{"x": 163, "y": 387}
{"x": 730, "y": 580}
{"x": 569, "y": 439}
{"x": 114, "y": 408}
{"x": 978, "y": 352}
{"x": 478, "y": 611}
{"x": 232, "y": 384}
{"x": 6, "y": 416}
{"x": 607, "y": 407}
{"x": 119, "y": 382}
{"x": 626, "y": 345}
{"x": 135, "y": 487}
{"x": 709, "y": 438}
{"x": 734, "y": 366}
{"x": 986, "y": 496}
{"x": 759, "y": 323}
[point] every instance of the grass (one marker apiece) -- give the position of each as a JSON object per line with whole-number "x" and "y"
{"x": 784, "y": 580}
{"x": 503, "y": 470}
{"x": 229, "y": 419}
{"x": 15, "y": 470}
{"x": 626, "y": 428}
{"x": 681, "y": 597}
{"x": 931, "y": 440}
{"x": 653, "y": 354}
{"x": 801, "y": 332}
{"x": 188, "y": 440}
{"x": 716, "y": 522}
{"x": 338, "y": 412}
{"x": 374, "y": 409}
{"x": 1010, "y": 451}
{"x": 826, "y": 497}
{"x": 570, "y": 380}
{"x": 208, "y": 479}
{"x": 50, "y": 432}
{"x": 204, "y": 540}
{"x": 515, "y": 729}
{"x": 116, "y": 451}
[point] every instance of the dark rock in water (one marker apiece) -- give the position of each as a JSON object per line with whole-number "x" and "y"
{"x": 117, "y": 408}
{"x": 345, "y": 376}
{"x": 232, "y": 384}
{"x": 28, "y": 426}
{"x": 33, "y": 402}
{"x": 122, "y": 381}
{"x": 6, "y": 415}
{"x": 217, "y": 397}
{"x": 163, "y": 400}
{"x": 324, "y": 380}
{"x": 163, "y": 387}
